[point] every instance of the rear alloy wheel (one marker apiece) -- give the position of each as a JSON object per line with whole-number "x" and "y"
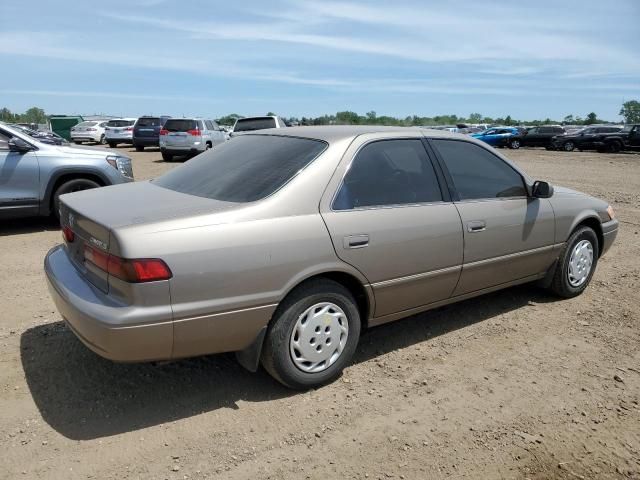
{"x": 313, "y": 335}
{"x": 70, "y": 186}
{"x": 514, "y": 144}
{"x": 568, "y": 146}
{"x": 576, "y": 263}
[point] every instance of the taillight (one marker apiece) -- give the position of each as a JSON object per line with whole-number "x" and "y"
{"x": 129, "y": 129}
{"x": 137, "y": 270}
{"x": 68, "y": 234}
{"x": 195, "y": 132}
{"x": 164, "y": 132}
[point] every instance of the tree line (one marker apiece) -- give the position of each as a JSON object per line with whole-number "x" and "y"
{"x": 630, "y": 111}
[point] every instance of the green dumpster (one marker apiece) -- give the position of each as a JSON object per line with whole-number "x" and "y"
{"x": 61, "y": 124}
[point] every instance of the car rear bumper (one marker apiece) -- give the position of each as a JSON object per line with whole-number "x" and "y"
{"x": 111, "y": 329}
{"x": 146, "y": 141}
{"x": 182, "y": 150}
{"x": 609, "y": 234}
{"x": 83, "y": 137}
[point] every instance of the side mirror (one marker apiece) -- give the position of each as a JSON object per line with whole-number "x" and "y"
{"x": 541, "y": 189}
{"x": 18, "y": 145}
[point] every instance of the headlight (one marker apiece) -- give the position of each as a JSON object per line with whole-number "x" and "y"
{"x": 122, "y": 164}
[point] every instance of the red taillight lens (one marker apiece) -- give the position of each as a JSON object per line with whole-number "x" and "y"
{"x": 68, "y": 234}
{"x": 195, "y": 132}
{"x": 129, "y": 129}
{"x": 150, "y": 269}
{"x": 134, "y": 271}
{"x": 164, "y": 132}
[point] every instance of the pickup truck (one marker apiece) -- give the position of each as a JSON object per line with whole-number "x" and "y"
{"x": 627, "y": 139}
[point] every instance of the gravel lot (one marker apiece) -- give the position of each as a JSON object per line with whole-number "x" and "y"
{"x": 516, "y": 384}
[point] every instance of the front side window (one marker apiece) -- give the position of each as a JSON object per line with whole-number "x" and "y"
{"x": 245, "y": 169}
{"x": 477, "y": 173}
{"x": 389, "y": 172}
{"x": 4, "y": 141}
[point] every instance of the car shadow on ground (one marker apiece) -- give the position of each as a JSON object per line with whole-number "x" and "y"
{"x": 17, "y": 226}
{"x": 83, "y": 396}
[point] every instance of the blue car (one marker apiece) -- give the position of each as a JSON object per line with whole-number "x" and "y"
{"x": 500, "y": 137}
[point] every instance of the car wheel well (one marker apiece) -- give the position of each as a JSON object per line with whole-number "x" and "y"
{"x": 72, "y": 176}
{"x": 352, "y": 284}
{"x": 593, "y": 224}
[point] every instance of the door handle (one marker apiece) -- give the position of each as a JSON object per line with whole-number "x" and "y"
{"x": 356, "y": 241}
{"x": 476, "y": 226}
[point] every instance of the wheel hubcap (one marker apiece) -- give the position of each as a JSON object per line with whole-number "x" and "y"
{"x": 319, "y": 337}
{"x": 568, "y": 146}
{"x": 580, "y": 263}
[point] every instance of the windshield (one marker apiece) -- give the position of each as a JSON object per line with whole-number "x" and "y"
{"x": 257, "y": 123}
{"x": 244, "y": 169}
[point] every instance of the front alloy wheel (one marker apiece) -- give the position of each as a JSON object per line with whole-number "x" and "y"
{"x": 568, "y": 146}
{"x": 514, "y": 144}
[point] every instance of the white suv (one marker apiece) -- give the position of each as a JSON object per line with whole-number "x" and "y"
{"x": 92, "y": 131}
{"x": 119, "y": 130}
{"x": 189, "y": 136}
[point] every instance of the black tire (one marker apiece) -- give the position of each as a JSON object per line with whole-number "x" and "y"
{"x": 167, "y": 157}
{"x": 75, "y": 185}
{"x": 102, "y": 140}
{"x": 549, "y": 148}
{"x": 77, "y": 142}
{"x": 514, "y": 144}
{"x": 112, "y": 145}
{"x": 276, "y": 356}
{"x": 568, "y": 146}
{"x": 615, "y": 147}
{"x": 560, "y": 283}
{"x": 208, "y": 146}
{"x": 139, "y": 148}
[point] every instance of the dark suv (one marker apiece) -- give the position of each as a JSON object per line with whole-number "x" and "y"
{"x": 146, "y": 131}
{"x": 540, "y": 136}
{"x": 627, "y": 139}
{"x": 589, "y": 138}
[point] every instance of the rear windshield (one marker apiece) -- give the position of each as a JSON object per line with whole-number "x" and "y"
{"x": 149, "y": 122}
{"x": 120, "y": 123}
{"x": 257, "y": 123}
{"x": 244, "y": 169}
{"x": 180, "y": 125}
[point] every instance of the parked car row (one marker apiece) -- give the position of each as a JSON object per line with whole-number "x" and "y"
{"x": 604, "y": 138}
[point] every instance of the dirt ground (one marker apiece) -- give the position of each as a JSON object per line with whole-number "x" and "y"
{"x": 516, "y": 384}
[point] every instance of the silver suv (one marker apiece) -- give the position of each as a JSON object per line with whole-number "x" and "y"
{"x": 34, "y": 174}
{"x": 189, "y": 136}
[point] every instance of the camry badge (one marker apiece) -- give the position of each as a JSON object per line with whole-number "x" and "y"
{"x": 98, "y": 243}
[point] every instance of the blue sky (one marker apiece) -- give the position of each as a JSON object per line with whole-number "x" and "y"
{"x": 532, "y": 59}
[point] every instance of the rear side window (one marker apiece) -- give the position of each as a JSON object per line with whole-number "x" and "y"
{"x": 257, "y": 123}
{"x": 478, "y": 173}
{"x": 120, "y": 123}
{"x": 149, "y": 122}
{"x": 389, "y": 172}
{"x": 180, "y": 125}
{"x": 245, "y": 169}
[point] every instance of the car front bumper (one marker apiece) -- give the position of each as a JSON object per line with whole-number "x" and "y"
{"x": 119, "y": 332}
{"x": 609, "y": 234}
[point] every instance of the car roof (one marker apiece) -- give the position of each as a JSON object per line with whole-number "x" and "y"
{"x": 341, "y": 132}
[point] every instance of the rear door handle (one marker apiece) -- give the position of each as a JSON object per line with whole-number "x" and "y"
{"x": 476, "y": 226}
{"x": 356, "y": 241}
